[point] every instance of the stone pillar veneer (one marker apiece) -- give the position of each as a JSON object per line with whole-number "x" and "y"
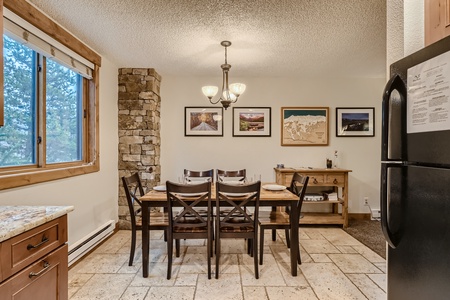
{"x": 139, "y": 131}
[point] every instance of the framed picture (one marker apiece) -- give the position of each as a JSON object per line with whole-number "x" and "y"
{"x": 355, "y": 121}
{"x": 304, "y": 126}
{"x": 251, "y": 121}
{"x": 203, "y": 121}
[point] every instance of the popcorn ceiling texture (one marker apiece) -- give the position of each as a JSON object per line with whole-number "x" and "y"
{"x": 271, "y": 38}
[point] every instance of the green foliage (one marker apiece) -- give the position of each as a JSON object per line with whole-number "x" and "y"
{"x": 63, "y": 109}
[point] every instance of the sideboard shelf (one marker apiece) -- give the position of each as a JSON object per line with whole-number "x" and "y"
{"x": 321, "y": 179}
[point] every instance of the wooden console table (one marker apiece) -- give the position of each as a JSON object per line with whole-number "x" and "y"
{"x": 322, "y": 180}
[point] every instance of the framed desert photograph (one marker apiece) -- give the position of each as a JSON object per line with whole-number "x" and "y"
{"x": 355, "y": 121}
{"x": 203, "y": 121}
{"x": 304, "y": 126}
{"x": 251, "y": 121}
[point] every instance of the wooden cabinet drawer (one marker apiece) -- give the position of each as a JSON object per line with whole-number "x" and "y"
{"x": 335, "y": 179}
{"x": 315, "y": 179}
{"x": 23, "y": 249}
{"x": 45, "y": 279}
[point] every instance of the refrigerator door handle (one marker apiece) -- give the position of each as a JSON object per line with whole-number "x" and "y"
{"x": 394, "y": 84}
{"x": 393, "y": 239}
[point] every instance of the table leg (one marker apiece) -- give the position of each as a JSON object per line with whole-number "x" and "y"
{"x": 294, "y": 218}
{"x": 145, "y": 238}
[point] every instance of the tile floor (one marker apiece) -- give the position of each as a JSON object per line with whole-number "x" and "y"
{"x": 334, "y": 266}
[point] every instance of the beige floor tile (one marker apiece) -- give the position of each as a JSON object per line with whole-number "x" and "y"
{"x": 312, "y": 233}
{"x": 327, "y": 253}
{"x": 320, "y": 258}
{"x": 381, "y": 266}
{"x": 319, "y": 246}
{"x": 186, "y": 279}
{"x": 104, "y": 286}
{"x": 337, "y": 236}
{"x": 369, "y": 254}
{"x": 367, "y": 287}
{"x": 269, "y": 273}
{"x": 255, "y": 292}
{"x": 294, "y": 293}
{"x": 228, "y": 263}
{"x": 227, "y": 287}
{"x": 328, "y": 282}
{"x": 134, "y": 293}
{"x": 103, "y": 263}
{"x": 172, "y": 293}
{"x": 353, "y": 263}
{"x": 380, "y": 280}
{"x": 157, "y": 276}
{"x": 195, "y": 263}
{"x": 346, "y": 249}
{"x": 79, "y": 279}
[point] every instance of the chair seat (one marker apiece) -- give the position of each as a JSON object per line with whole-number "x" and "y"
{"x": 182, "y": 229}
{"x": 156, "y": 219}
{"x": 273, "y": 218}
{"x": 237, "y": 229}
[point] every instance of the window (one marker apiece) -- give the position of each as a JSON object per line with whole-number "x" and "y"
{"x": 50, "y": 100}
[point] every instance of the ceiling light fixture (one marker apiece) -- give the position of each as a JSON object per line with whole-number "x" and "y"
{"x": 230, "y": 93}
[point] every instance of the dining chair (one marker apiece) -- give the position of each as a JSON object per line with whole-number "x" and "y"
{"x": 158, "y": 220}
{"x": 238, "y": 175}
{"x": 188, "y": 223}
{"x": 281, "y": 219}
{"x": 237, "y": 223}
{"x": 207, "y": 175}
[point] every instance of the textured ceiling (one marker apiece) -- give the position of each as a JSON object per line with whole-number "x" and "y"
{"x": 280, "y": 38}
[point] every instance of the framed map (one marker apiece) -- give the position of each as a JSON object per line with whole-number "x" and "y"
{"x": 304, "y": 126}
{"x": 203, "y": 121}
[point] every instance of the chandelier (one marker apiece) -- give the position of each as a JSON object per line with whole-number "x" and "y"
{"x": 230, "y": 93}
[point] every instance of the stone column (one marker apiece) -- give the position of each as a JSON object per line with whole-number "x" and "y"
{"x": 139, "y": 131}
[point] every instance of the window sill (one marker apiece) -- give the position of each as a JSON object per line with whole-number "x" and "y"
{"x": 45, "y": 175}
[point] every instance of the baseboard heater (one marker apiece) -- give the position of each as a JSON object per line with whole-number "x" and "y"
{"x": 87, "y": 243}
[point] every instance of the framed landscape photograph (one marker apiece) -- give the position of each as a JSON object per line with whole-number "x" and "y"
{"x": 203, "y": 121}
{"x": 304, "y": 126}
{"x": 355, "y": 121}
{"x": 251, "y": 121}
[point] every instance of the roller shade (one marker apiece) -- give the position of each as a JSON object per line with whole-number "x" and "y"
{"x": 43, "y": 47}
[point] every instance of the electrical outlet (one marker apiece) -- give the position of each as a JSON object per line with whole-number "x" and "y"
{"x": 366, "y": 200}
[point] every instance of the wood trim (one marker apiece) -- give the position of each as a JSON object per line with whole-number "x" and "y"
{"x": 35, "y": 17}
{"x": 23, "y": 179}
{"x": 22, "y": 176}
{"x": 2, "y": 98}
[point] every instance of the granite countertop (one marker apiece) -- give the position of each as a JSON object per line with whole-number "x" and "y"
{"x": 15, "y": 220}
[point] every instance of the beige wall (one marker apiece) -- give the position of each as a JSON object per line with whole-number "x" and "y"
{"x": 260, "y": 155}
{"x": 93, "y": 195}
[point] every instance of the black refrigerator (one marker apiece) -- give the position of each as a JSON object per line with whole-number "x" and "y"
{"x": 415, "y": 174}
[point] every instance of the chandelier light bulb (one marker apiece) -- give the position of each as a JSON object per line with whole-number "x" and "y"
{"x": 237, "y": 88}
{"x": 210, "y": 91}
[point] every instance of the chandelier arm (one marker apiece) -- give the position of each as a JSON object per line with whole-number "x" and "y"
{"x": 212, "y": 102}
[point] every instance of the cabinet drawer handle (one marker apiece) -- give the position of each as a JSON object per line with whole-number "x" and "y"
{"x": 43, "y": 241}
{"x": 335, "y": 181}
{"x": 315, "y": 181}
{"x": 46, "y": 266}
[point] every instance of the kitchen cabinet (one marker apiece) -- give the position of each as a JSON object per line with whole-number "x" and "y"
{"x": 321, "y": 180}
{"x": 437, "y": 20}
{"x": 34, "y": 263}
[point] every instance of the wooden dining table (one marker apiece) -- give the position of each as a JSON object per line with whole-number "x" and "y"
{"x": 267, "y": 198}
